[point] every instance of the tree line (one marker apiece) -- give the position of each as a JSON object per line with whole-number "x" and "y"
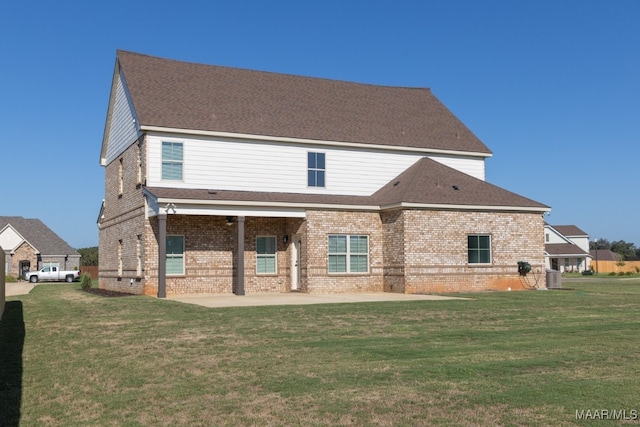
{"x": 627, "y": 250}
{"x": 89, "y": 256}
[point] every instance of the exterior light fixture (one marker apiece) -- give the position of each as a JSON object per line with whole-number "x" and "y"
{"x": 230, "y": 220}
{"x": 285, "y": 239}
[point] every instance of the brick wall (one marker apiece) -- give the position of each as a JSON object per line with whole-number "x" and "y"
{"x": 121, "y": 225}
{"x": 319, "y": 225}
{"x": 436, "y": 250}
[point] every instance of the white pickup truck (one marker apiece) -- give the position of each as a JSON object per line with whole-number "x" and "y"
{"x": 52, "y": 273}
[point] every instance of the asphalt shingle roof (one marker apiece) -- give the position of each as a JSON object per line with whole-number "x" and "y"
{"x": 39, "y": 235}
{"x": 174, "y": 94}
{"x": 569, "y": 230}
{"x": 426, "y": 182}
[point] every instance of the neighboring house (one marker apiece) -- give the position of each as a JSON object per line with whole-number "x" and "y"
{"x": 228, "y": 180}
{"x": 28, "y": 243}
{"x": 566, "y": 248}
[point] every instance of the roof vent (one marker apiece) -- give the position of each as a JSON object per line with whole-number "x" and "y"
{"x": 395, "y": 184}
{"x": 455, "y": 187}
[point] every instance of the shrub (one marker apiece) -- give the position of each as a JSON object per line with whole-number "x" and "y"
{"x": 620, "y": 273}
{"x": 587, "y": 273}
{"x": 9, "y": 279}
{"x": 85, "y": 281}
{"x": 613, "y": 273}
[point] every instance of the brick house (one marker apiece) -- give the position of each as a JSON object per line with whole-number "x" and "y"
{"x": 28, "y": 244}
{"x": 221, "y": 180}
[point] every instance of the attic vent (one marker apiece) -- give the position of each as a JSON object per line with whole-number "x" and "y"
{"x": 455, "y": 187}
{"x": 212, "y": 192}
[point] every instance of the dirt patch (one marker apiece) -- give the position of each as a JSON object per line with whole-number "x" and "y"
{"x": 107, "y": 293}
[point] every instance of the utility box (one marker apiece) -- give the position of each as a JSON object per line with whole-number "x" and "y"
{"x": 554, "y": 279}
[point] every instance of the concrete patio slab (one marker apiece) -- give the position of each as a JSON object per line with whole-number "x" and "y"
{"x": 298, "y": 298}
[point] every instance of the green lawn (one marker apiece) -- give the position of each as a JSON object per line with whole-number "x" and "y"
{"x": 530, "y": 358}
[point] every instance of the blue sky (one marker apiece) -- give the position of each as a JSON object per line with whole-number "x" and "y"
{"x": 552, "y": 87}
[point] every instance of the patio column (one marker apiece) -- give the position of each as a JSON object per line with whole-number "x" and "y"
{"x": 240, "y": 268}
{"x": 162, "y": 255}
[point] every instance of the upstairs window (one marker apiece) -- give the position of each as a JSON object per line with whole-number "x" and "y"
{"x": 348, "y": 254}
{"x": 315, "y": 169}
{"x": 265, "y": 254}
{"x": 479, "y": 248}
{"x": 172, "y": 157}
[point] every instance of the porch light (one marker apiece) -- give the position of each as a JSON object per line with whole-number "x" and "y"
{"x": 230, "y": 220}
{"x": 285, "y": 239}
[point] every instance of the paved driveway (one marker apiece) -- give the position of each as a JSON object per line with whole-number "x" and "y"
{"x": 297, "y": 298}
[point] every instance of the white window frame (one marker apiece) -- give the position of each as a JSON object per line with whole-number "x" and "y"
{"x": 348, "y": 254}
{"x": 490, "y": 250}
{"x": 317, "y": 169}
{"x": 266, "y": 256}
{"x": 170, "y": 162}
{"x": 172, "y": 256}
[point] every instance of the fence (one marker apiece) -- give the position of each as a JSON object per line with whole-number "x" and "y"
{"x": 615, "y": 266}
{"x": 91, "y": 269}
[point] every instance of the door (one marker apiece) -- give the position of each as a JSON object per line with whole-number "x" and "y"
{"x": 295, "y": 263}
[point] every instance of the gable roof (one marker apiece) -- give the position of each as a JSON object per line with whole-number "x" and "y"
{"x": 558, "y": 249}
{"x": 38, "y": 235}
{"x": 426, "y": 184}
{"x": 605, "y": 255}
{"x": 430, "y": 182}
{"x": 569, "y": 230}
{"x": 181, "y": 95}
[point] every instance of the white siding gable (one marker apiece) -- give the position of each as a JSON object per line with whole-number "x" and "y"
{"x": 243, "y": 165}
{"x": 552, "y": 236}
{"x": 123, "y": 129}
{"x": 10, "y": 239}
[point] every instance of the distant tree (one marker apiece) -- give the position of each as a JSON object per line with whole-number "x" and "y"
{"x": 89, "y": 256}
{"x": 600, "y": 244}
{"x": 626, "y": 250}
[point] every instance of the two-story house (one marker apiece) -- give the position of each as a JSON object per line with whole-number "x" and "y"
{"x": 566, "y": 248}
{"x": 221, "y": 180}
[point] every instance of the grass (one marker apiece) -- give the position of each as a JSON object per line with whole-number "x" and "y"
{"x": 530, "y": 358}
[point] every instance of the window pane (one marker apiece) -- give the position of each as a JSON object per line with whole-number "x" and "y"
{"x": 319, "y": 161}
{"x": 311, "y": 178}
{"x": 359, "y": 244}
{"x": 479, "y": 249}
{"x": 175, "y": 245}
{"x": 337, "y": 244}
{"x": 359, "y": 263}
{"x": 266, "y": 245}
{"x": 172, "y": 153}
{"x": 311, "y": 160}
{"x": 319, "y": 179}
{"x": 337, "y": 263}
{"x": 266, "y": 264}
{"x": 174, "y": 265}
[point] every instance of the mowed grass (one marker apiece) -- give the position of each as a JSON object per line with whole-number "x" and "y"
{"x": 530, "y": 358}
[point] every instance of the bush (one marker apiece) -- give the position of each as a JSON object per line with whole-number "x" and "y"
{"x": 9, "y": 279}
{"x": 613, "y": 273}
{"x": 587, "y": 273}
{"x": 85, "y": 281}
{"x": 620, "y": 273}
